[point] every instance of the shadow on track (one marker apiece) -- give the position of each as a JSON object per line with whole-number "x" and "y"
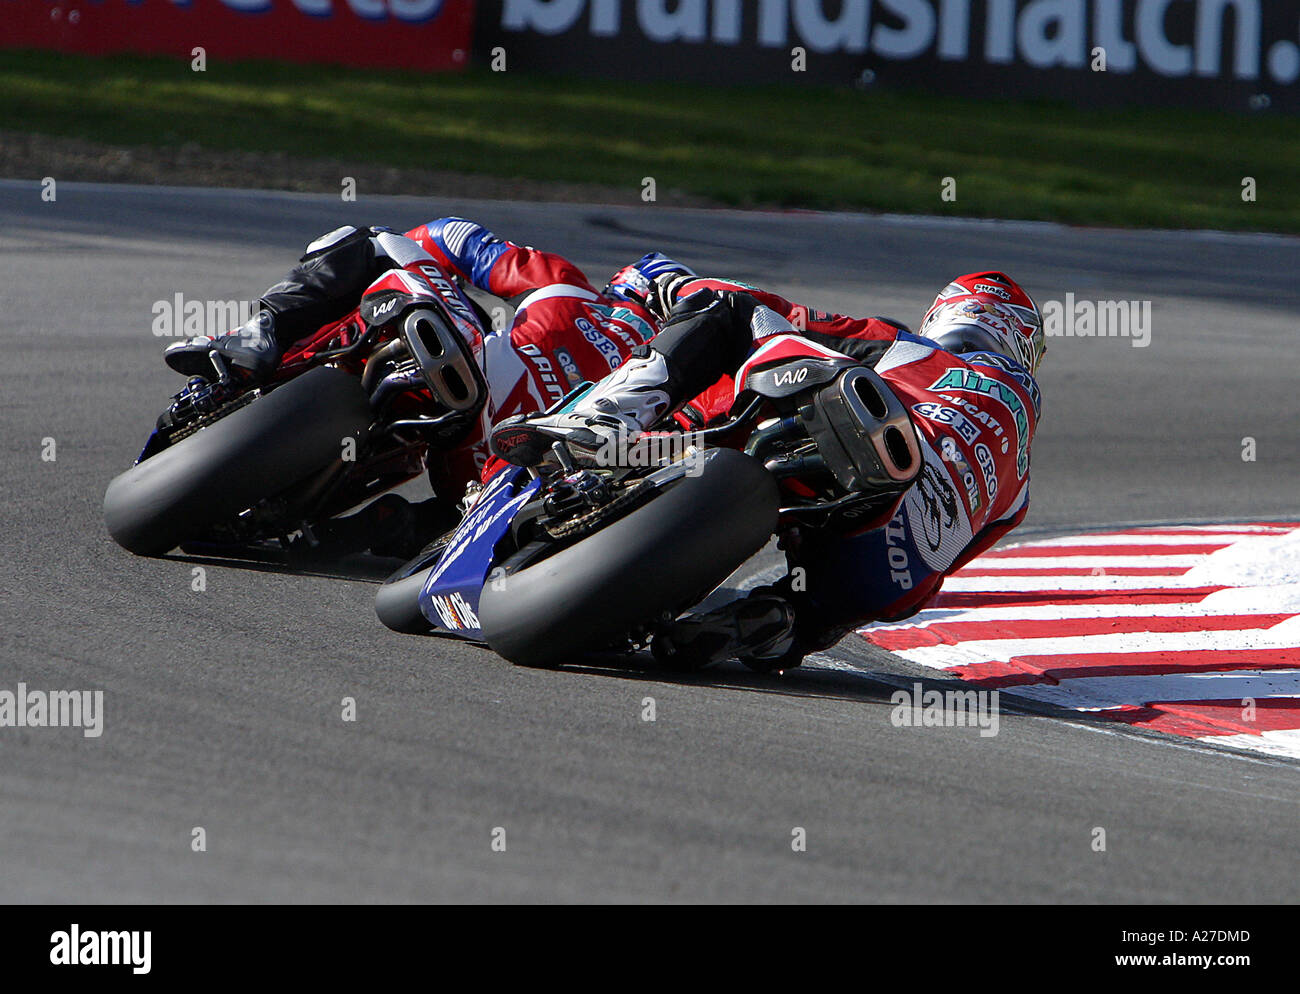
{"x": 364, "y": 567}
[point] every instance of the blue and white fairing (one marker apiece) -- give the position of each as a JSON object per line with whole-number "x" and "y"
{"x": 451, "y": 594}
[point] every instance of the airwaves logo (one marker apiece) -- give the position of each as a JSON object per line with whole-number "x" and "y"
{"x": 970, "y": 381}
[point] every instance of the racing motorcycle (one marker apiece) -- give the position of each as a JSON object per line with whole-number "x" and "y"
{"x": 557, "y": 560}
{"x": 349, "y": 413}
{"x": 548, "y": 562}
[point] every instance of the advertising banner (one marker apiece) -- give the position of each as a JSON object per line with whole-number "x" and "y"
{"x": 407, "y": 34}
{"x": 1232, "y": 54}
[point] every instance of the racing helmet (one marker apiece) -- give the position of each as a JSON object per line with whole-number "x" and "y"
{"x": 646, "y": 281}
{"x": 987, "y": 312}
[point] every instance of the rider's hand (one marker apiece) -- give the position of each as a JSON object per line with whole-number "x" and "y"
{"x": 663, "y": 291}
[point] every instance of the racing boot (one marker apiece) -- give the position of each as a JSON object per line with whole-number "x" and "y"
{"x": 251, "y": 350}
{"x": 613, "y": 413}
{"x": 325, "y": 285}
{"x": 758, "y": 630}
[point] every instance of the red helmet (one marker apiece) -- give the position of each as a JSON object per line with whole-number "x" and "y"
{"x": 988, "y": 311}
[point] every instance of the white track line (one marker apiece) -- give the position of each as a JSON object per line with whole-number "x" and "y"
{"x": 1100, "y": 582}
{"x": 1279, "y": 742}
{"x": 1266, "y": 529}
{"x": 1285, "y": 635}
{"x": 1145, "y": 538}
{"x": 1082, "y": 563}
{"x": 1104, "y": 692}
{"x": 1252, "y": 600}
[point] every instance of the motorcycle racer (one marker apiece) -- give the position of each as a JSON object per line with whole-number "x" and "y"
{"x": 564, "y": 332}
{"x": 660, "y": 341}
{"x": 968, "y": 382}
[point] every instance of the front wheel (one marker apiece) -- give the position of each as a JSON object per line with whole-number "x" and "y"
{"x": 397, "y": 602}
{"x": 660, "y": 558}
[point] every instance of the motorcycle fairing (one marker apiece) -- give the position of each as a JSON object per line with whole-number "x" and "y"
{"x": 450, "y": 597}
{"x": 151, "y": 447}
{"x": 799, "y": 359}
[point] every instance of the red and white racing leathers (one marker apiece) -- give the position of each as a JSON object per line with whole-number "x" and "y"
{"x": 975, "y": 417}
{"x": 564, "y": 331}
{"x": 975, "y": 414}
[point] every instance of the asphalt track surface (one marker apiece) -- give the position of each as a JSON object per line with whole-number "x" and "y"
{"x": 223, "y": 707}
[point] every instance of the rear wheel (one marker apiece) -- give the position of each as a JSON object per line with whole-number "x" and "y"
{"x": 259, "y": 451}
{"x": 658, "y": 559}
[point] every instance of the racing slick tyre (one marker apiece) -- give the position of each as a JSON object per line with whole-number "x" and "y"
{"x": 257, "y": 452}
{"x": 660, "y": 558}
{"x": 397, "y": 602}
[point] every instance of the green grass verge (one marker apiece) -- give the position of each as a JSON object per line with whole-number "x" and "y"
{"x": 795, "y": 147}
